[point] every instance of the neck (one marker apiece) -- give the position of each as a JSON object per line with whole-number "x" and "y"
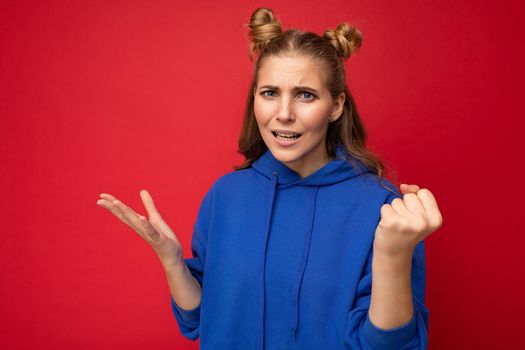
{"x": 306, "y": 167}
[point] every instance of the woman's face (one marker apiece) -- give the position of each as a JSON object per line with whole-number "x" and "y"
{"x": 291, "y": 96}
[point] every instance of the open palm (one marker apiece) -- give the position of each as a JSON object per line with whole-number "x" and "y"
{"x": 154, "y": 230}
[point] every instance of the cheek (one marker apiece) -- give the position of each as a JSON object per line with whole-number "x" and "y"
{"x": 263, "y": 112}
{"x": 315, "y": 120}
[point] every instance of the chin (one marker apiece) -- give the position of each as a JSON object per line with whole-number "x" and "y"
{"x": 286, "y": 155}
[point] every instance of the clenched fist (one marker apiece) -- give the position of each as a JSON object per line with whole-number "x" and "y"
{"x": 406, "y": 222}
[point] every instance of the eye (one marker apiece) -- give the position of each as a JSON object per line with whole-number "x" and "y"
{"x": 308, "y": 93}
{"x": 309, "y": 96}
{"x": 264, "y": 92}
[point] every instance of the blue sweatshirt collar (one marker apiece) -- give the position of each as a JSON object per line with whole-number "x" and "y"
{"x": 337, "y": 170}
{"x": 332, "y": 172}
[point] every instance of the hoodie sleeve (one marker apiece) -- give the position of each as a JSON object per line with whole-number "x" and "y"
{"x": 189, "y": 320}
{"x": 363, "y": 334}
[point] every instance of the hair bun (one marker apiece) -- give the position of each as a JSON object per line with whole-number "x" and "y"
{"x": 345, "y": 38}
{"x": 263, "y": 28}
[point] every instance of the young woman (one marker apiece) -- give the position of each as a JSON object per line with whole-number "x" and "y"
{"x": 306, "y": 245}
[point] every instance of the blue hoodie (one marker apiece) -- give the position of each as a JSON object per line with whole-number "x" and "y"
{"x": 284, "y": 262}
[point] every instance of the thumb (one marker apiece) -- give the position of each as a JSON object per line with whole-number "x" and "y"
{"x": 406, "y": 188}
{"x": 161, "y": 226}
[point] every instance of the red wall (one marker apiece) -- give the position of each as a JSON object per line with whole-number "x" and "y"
{"x": 116, "y": 96}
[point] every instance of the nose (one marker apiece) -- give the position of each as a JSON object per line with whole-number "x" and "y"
{"x": 285, "y": 112}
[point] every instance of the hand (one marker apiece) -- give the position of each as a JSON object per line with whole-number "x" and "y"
{"x": 407, "y": 221}
{"x": 155, "y": 231}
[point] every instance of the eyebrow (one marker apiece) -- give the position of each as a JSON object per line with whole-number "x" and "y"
{"x": 297, "y": 88}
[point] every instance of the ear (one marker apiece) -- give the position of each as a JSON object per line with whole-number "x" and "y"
{"x": 338, "y": 106}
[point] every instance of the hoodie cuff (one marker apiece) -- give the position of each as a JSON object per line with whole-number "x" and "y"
{"x": 393, "y": 338}
{"x": 190, "y": 316}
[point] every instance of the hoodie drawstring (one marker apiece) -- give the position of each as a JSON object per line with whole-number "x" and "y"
{"x": 267, "y": 233}
{"x": 297, "y": 285}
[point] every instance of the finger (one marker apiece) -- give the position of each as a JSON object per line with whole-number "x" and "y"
{"x": 107, "y": 196}
{"x": 406, "y": 188}
{"x": 149, "y": 204}
{"x": 113, "y": 209}
{"x": 399, "y": 206}
{"x": 388, "y": 214}
{"x": 119, "y": 213}
{"x": 413, "y": 204}
{"x": 113, "y": 198}
{"x": 130, "y": 215}
{"x": 149, "y": 230}
{"x": 431, "y": 207}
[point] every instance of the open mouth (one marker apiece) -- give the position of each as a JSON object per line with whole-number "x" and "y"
{"x": 286, "y": 137}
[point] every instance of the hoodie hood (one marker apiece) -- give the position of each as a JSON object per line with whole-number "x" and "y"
{"x": 280, "y": 176}
{"x": 332, "y": 172}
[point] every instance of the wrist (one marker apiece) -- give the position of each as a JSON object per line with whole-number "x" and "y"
{"x": 393, "y": 250}
{"x": 178, "y": 266}
{"x": 393, "y": 259}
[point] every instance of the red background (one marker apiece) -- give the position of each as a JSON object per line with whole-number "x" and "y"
{"x": 116, "y": 96}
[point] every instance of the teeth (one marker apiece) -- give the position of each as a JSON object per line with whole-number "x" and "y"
{"x": 286, "y": 137}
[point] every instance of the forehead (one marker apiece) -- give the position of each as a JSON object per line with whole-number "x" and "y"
{"x": 291, "y": 70}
